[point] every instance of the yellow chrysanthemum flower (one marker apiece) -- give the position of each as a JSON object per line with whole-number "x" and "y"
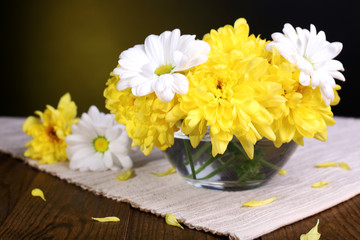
{"x": 120, "y": 103}
{"x": 304, "y": 114}
{"x": 49, "y": 132}
{"x": 228, "y": 93}
{"x": 144, "y": 116}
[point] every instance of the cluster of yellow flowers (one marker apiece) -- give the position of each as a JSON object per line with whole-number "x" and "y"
{"x": 242, "y": 90}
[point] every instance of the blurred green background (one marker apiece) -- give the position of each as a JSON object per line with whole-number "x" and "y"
{"x": 53, "y": 47}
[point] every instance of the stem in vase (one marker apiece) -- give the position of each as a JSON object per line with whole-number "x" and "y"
{"x": 220, "y": 169}
{"x": 190, "y": 159}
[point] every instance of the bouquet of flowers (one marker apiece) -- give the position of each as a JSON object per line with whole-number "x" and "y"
{"x": 231, "y": 83}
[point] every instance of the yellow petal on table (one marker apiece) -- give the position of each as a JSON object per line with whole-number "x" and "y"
{"x": 125, "y": 175}
{"x": 333, "y": 164}
{"x": 326, "y": 164}
{"x": 320, "y": 184}
{"x": 106, "y": 219}
{"x": 344, "y": 165}
{"x": 282, "y": 172}
{"x": 313, "y": 234}
{"x": 171, "y": 220}
{"x": 258, "y": 203}
{"x": 36, "y": 192}
{"x": 167, "y": 172}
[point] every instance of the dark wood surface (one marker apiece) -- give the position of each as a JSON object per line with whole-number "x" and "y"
{"x": 68, "y": 210}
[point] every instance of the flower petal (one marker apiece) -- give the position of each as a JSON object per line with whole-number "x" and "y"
{"x": 125, "y": 175}
{"x": 141, "y": 86}
{"x": 180, "y": 83}
{"x": 37, "y": 192}
{"x": 171, "y": 220}
{"x": 108, "y": 159}
{"x": 333, "y": 65}
{"x": 124, "y": 160}
{"x": 337, "y": 75}
{"x": 163, "y": 87}
{"x": 313, "y": 234}
{"x": 320, "y": 184}
{"x": 326, "y": 164}
{"x": 304, "y": 79}
{"x": 282, "y": 172}
{"x": 167, "y": 172}
{"x": 106, "y": 219}
{"x": 257, "y": 203}
{"x": 154, "y": 50}
{"x": 133, "y": 58}
{"x": 344, "y": 166}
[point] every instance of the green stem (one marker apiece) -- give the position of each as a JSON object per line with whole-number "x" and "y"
{"x": 240, "y": 148}
{"x": 201, "y": 150}
{"x": 220, "y": 169}
{"x": 269, "y": 164}
{"x": 245, "y": 175}
{"x": 207, "y": 163}
{"x": 187, "y": 148}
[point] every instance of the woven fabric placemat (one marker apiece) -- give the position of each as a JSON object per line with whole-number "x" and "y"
{"x": 221, "y": 212}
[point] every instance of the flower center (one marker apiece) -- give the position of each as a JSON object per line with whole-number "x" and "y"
{"x": 101, "y": 144}
{"x": 220, "y": 88}
{"x": 52, "y": 134}
{"x": 164, "y": 69}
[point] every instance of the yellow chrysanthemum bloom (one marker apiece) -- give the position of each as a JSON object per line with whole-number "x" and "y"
{"x": 49, "y": 132}
{"x": 228, "y": 92}
{"x": 144, "y": 116}
{"x": 304, "y": 113}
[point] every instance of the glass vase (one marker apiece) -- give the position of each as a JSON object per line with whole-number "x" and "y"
{"x": 233, "y": 170}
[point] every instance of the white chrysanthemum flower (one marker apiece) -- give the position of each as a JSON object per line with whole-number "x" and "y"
{"x": 313, "y": 55}
{"x": 156, "y": 65}
{"x": 98, "y": 143}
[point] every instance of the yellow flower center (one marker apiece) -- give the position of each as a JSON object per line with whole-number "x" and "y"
{"x": 164, "y": 69}
{"x": 101, "y": 144}
{"x": 219, "y": 88}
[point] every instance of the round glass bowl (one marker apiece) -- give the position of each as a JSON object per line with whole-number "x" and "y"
{"x": 232, "y": 170}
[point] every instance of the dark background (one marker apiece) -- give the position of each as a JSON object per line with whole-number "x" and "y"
{"x": 50, "y": 47}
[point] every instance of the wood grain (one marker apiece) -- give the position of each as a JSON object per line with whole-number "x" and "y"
{"x": 339, "y": 222}
{"x": 68, "y": 210}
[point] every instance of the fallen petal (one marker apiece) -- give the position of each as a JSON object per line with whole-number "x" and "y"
{"x": 326, "y": 164}
{"x": 313, "y": 234}
{"x": 320, "y": 184}
{"x": 258, "y": 203}
{"x": 125, "y": 175}
{"x": 344, "y": 165}
{"x": 171, "y": 220}
{"x": 107, "y": 219}
{"x": 36, "y": 192}
{"x": 167, "y": 172}
{"x": 282, "y": 172}
{"x": 333, "y": 164}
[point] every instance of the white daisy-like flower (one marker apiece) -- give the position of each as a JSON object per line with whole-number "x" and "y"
{"x": 313, "y": 55}
{"x": 156, "y": 65}
{"x": 98, "y": 143}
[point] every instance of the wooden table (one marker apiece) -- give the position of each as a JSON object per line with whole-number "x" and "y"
{"x": 68, "y": 210}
